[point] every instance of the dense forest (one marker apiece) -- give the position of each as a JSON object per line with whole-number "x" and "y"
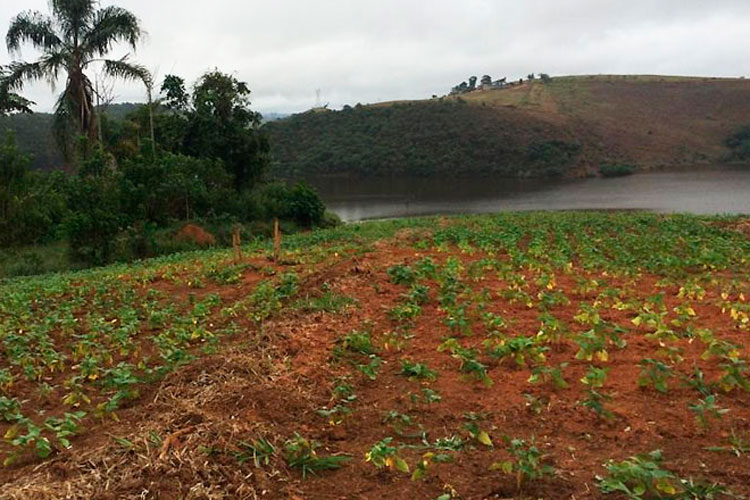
{"x": 118, "y": 183}
{"x": 447, "y": 138}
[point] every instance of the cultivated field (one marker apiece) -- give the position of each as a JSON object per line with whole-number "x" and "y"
{"x": 539, "y": 355}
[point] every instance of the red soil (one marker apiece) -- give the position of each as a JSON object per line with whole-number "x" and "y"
{"x": 271, "y": 381}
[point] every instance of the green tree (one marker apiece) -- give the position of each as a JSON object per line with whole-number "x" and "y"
{"x": 74, "y": 37}
{"x": 95, "y": 216}
{"x": 223, "y": 126}
{"x": 13, "y": 170}
{"x": 31, "y": 203}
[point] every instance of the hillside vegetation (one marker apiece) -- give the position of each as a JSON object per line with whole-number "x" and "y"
{"x": 648, "y": 121}
{"x": 423, "y": 138}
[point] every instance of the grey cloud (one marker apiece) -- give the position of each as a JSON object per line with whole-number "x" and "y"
{"x": 358, "y": 51}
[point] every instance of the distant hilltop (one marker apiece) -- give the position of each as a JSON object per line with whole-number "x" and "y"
{"x": 534, "y": 127}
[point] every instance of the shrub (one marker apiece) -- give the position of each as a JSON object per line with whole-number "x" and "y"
{"x": 739, "y": 144}
{"x": 300, "y": 203}
{"x": 616, "y": 169}
{"x": 95, "y": 218}
{"x": 305, "y": 206}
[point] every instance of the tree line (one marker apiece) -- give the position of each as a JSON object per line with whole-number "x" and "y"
{"x": 190, "y": 153}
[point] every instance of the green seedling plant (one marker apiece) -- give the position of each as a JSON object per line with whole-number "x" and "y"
{"x": 426, "y": 396}
{"x": 355, "y": 342}
{"x": 654, "y": 373}
{"x": 527, "y": 464}
{"x": 401, "y": 423}
{"x": 595, "y": 401}
{"x": 595, "y": 377}
{"x": 402, "y": 275}
{"x": 521, "y": 350}
{"x": 260, "y": 451}
{"x": 707, "y": 409}
{"x": 547, "y": 374}
{"x": 383, "y": 455}
{"x": 471, "y": 426}
{"x": 427, "y": 461}
{"x": 371, "y": 369}
{"x": 417, "y": 371}
{"x": 300, "y": 453}
{"x": 738, "y": 444}
{"x": 642, "y": 477}
{"x": 697, "y": 381}
{"x": 469, "y": 363}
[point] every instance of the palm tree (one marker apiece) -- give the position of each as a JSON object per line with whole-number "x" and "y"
{"x": 76, "y": 36}
{"x": 11, "y": 102}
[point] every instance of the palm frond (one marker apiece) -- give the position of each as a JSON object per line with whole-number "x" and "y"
{"x": 20, "y": 72}
{"x": 9, "y": 101}
{"x": 109, "y": 26}
{"x": 13, "y": 103}
{"x": 31, "y": 27}
{"x": 48, "y": 66}
{"x": 121, "y": 68}
{"x": 74, "y": 16}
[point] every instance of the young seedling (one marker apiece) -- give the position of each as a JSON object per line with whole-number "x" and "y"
{"x": 428, "y": 396}
{"x": 260, "y": 451}
{"x": 417, "y": 371}
{"x": 426, "y": 462}
{"x": 401, "y": 274}
{"x": 383, "y": 455}
{"x": 527, "y": 464}
{"x": 642, "y": 477}
{"x": 300, "y": 453}
{"x": 552, "y": 374}
{"x": 654, "y": 373}
{"x": 595, "y": 402}
{"x": 595, "y": 377}
{"x": 738, "y": 445}
{"x": 706, "y": 409}
{"x": 472, "y": 427}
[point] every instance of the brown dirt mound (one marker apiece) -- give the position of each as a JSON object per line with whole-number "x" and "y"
{"x": 193, "y": 233}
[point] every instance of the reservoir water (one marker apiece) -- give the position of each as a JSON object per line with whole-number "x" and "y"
{"x": 703, "y": 190}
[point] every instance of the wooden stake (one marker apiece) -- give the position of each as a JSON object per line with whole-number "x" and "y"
{"x": 276, "y": 240}
{"x": 237, "y": 244}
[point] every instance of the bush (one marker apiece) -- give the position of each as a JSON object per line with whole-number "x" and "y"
{"x": 95, "y": 218}
{"x": 305, "y": 206}
{"x": 31, "y": 203}
{"x": 739, "y": 144}
{"x": 299, "y": 204}
{"x": 616, "y": 169}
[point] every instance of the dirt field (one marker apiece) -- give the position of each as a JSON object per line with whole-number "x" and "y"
{"x": 585, "y": 338}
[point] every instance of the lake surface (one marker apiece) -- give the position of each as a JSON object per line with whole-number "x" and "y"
{"x": 703, "y": 190}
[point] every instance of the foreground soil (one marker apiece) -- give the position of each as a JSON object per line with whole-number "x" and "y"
{"x": 183, "y": 436}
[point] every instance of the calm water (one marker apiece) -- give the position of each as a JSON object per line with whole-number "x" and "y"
{"x": 705, "y": 190}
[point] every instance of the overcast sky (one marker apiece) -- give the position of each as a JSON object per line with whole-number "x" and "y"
{"x": 369, "y": 51}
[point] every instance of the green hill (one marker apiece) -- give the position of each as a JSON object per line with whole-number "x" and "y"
{"x": 422, "y": 138}
{"x": 567, "y": 126}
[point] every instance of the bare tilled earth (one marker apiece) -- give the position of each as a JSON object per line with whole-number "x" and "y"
{"x": 183, "y": 436}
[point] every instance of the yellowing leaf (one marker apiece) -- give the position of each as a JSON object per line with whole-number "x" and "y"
{"x": 401, "y": 465}
{"x": 484, "y": 438}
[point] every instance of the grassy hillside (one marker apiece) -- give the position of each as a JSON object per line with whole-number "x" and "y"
{"x": 394, "y": 359}
{"x": 649, "y": 121}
